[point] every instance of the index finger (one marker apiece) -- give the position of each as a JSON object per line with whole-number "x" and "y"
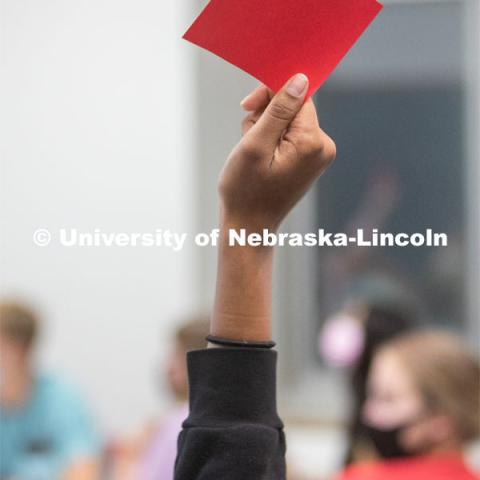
{"x": 257, "y": 100}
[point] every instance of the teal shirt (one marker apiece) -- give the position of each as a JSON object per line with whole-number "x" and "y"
{"x": 51, "y": 431}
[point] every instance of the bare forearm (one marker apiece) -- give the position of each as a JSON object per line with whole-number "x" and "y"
{"x": 242, "y": 308}
{"x": 233, "y": 391}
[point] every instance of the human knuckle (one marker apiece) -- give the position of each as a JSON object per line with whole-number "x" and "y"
{"x": 246, "y": 125}
{"x": 318, "y": 141}
{"x": 281, "y": 111}
{"x": 249, "y": 119}
{"x": 310, "y": 143}
{"x": 323, "y": 150}
{"x": 303, "y": 143}
{"x": 330, "y": 149}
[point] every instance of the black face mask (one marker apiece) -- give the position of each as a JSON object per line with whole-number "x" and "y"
{"x": 387, "y": 442}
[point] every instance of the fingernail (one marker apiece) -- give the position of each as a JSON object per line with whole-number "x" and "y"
{"x": 244, "y": 100}
{"x": 298, "y": 85}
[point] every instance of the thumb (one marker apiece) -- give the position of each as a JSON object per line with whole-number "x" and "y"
{"x": 283, "y": 108}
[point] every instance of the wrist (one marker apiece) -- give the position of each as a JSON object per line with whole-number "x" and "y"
{"x": 235, "y": 242}
{"x": 243, "y": 302}
{"x": 250, "y": 222}
{"x": 245, "y": 239}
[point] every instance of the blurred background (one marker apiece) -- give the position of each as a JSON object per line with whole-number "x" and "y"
{"x": 109, "y": 120}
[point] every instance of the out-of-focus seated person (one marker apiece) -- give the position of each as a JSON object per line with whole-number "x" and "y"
{"x": 159, "y": 458}
{"x": 45, "y": 430}
{"x": 151, "y": 454}
{"x": 349, "y": 340}
{"x": 422, "y": 409}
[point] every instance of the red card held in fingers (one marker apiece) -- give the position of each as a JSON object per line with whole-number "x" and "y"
{"x": 275, "y": 39}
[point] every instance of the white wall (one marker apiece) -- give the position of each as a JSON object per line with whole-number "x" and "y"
{"x": 96, "y": 132}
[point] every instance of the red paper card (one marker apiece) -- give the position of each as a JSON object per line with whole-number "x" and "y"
{"x": 275, "y": 39}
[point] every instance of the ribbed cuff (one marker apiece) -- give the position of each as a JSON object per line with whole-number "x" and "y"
{"x": 232, "y": 385}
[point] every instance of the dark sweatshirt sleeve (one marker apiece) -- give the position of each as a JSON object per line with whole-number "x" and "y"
{"x": 233, "y": 431}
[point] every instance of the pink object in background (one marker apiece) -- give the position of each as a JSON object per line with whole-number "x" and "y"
{"x": 159, "y": 461}
{"x": 341, "y": 341}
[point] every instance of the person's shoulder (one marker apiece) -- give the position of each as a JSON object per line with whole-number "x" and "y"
{"x": 54, "y": 388}
{"x": 51, "y": 383}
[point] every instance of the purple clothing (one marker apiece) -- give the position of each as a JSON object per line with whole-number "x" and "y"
{"x": 159, "y": 460}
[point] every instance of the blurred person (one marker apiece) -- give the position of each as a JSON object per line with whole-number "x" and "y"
{"x": 158, "y": 460}
{"x": 45, "y": 430}
{"x": 151, "y": 454}
{"x": 422, "y": 409}
{"x": 350, "y": 339}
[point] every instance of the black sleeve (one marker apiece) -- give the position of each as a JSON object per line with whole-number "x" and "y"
{"x": 233, "y": 431}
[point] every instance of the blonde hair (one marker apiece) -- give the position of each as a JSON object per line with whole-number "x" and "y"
{"x": 446, "y": 374}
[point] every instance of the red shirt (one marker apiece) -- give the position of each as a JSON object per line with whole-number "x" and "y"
{"x": 420, "y": 468}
